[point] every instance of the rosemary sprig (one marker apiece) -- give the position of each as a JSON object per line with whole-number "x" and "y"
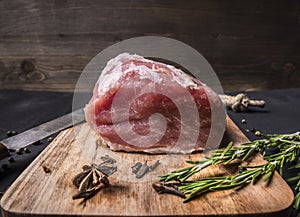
{"x": 287, "y": 148}
{"x": 297, "y": 187}
{"x": 225, "y": 156}
{"x": 184, "y": 173}
{"x": 196, "y": 188}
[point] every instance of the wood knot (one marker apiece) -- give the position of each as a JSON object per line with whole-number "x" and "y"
{"x": 29, "y": 72}
{"x": 27, "y": 66}
{"x": 288, "y": 67}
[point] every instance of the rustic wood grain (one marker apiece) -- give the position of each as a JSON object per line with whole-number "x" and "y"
{"x": 36, "y": 193}
{"x": 253, "y": 44}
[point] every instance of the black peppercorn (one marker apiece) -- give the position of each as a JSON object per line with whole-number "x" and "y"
{"x": 26, "y": 150}
{"x": 11, "y": 160}
{"x": 11, "y": 133}
{"x": 19, "y": 151}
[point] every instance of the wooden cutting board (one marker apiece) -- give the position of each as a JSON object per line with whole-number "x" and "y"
{"x": 36, "y": 193}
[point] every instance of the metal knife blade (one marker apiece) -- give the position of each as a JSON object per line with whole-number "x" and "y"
{"x": 40, "y": 132}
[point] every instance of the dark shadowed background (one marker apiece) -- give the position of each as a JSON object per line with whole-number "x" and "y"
{"x": 252, "y": 44}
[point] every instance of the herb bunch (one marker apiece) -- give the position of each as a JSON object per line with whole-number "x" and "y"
{"x": 284, "y": 148}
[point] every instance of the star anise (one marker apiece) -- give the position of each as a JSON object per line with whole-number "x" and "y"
{"x": 89, "y": 182}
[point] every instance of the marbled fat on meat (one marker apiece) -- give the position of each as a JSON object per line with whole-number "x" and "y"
{"x": 132, "y": 90}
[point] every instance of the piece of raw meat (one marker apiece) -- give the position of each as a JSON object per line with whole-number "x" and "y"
{"x": 147, "y": 106}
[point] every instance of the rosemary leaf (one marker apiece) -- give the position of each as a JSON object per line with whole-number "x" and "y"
{"x": 229, "y": 146}
{"x": 293, "y": 179}
{"x": 297, "y": 201}
{"x": 249, "y": 153}
{"x": 288, "y": 146}
{"x": 268, "y": 176}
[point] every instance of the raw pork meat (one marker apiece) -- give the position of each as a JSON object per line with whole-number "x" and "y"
{"x": 147, "y": 106}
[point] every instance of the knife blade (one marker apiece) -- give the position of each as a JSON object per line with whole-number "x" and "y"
{"x": 37, "y": 133}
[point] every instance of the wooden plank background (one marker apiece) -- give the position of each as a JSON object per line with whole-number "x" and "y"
{"x": 251, "y": 44}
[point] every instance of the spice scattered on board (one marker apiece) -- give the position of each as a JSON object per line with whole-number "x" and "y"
{"x": 167, "y": 188}
{"x": 93, "y": 178}
{"x": 89, "y": 182}
{"x": 46, "y": 169}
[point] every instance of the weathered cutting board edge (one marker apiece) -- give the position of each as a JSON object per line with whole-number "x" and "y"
{"x": 36, "y": 164}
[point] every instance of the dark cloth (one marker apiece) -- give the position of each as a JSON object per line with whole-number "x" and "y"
{"x": 281, "y": 113}
{"x": 21, "y": 110}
